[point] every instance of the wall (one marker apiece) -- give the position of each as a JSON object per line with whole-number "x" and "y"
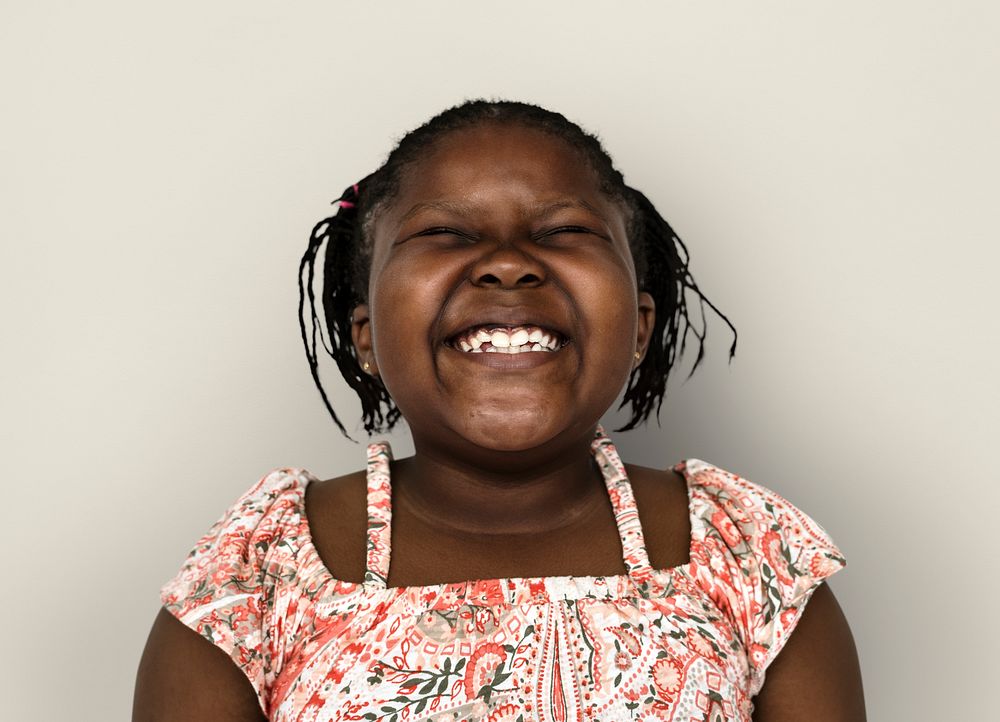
{"x": 832, "y": 167}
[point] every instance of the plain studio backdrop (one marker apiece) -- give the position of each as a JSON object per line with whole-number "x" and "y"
{"x": 831, "y": 166}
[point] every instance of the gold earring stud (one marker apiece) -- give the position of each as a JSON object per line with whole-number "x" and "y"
{"x": 366, "y": 366}
{"x": 637, "y": 355}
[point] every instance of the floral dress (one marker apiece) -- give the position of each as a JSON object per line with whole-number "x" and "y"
{"x": 687, "y": 643}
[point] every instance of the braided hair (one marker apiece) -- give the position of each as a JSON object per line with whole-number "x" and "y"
{"x": 660, "y": 258}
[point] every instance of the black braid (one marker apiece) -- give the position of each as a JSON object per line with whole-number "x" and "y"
{"x": 661, "y": 262}
{"x": 341, "y": 234}
{"x": 667, "y": 278}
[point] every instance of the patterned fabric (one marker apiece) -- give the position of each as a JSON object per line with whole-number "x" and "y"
{"x": 379, "y": 515}
{"x": 687, "y": 643}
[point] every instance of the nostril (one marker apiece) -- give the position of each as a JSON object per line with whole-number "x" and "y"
{"x": 506, "y": 267}
{"x": 528, "y": 279}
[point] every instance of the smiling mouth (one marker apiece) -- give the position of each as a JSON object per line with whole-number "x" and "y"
{"x": 508, "y": 339}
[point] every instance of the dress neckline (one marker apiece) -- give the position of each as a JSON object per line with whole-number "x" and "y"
{"x": 639, "y": 577}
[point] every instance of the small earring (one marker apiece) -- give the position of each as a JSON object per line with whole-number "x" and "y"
{"x": 637, "y": 355}
{"x": 366, "y": 366}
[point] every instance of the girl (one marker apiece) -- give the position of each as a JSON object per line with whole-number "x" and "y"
{"x": 497, "y": 284}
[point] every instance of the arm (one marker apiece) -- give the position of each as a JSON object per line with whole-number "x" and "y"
{"x": 184, "y": 677}
{"x": 816, "y": 676}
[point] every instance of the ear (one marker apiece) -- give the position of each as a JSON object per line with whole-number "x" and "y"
{"x": 644, "y": 329}
{"x": 361, "y": 335}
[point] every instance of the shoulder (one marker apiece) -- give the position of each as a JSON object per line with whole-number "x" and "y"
{"x": 755, "y": 523}
{"x": 253, "y": 520}
{"x": 337, "y": 512}
{"x": 727, "y": 489}
{"x": 758, "y": 556}
{"x": 328, "y": 496}
{"x": 277, "y": 491}
{"x": 661, "y": 496}
{"x": 225, "y": 586}
{"x": 231, "y": 555}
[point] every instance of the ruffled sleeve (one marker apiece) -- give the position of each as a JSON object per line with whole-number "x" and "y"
{"x": 759, "y": 557}
{"x": 225, "y": 588}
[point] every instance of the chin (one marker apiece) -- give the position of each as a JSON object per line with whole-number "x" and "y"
{"x": 502, "y": 430}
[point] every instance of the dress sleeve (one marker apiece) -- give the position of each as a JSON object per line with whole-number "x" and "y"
{"x": 763, "y": 559}
{"x": 223, "y": 587}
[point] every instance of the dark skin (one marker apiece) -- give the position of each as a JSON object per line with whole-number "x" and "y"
{"x": 502, "y": 225}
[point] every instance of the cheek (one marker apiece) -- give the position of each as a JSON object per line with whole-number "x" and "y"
{"x": 393, "y": 319}
{"x": 402, "y": 311}
{"x": 609, "y": 304}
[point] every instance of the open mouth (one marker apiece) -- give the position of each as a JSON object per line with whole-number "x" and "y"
{"x": 492, "y": 338}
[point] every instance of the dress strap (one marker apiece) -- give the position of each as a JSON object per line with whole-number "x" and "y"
{"x": 605, "y": 454}
{"x": 379, "y": 515}
{"x": 623, "y": 503}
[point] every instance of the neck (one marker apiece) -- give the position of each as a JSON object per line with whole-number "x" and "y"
{"x": 485, "y": 492}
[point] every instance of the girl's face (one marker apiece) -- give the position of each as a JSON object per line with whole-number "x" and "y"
{"x": 502, "y": 227}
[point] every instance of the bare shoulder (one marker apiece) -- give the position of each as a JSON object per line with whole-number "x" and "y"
{"x": 337, "y": 513}
{"x": 816, "y": 676}
{"x": 661, "y": 496}
{"x": 183, "y": 676}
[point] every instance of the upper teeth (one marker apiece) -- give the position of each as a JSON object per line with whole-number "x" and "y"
{"x": 517, "y": 339}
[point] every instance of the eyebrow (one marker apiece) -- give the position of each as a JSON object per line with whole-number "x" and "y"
{"x": 459, "y": 209}
{"x": 542, "y": 210}
{"x": 548, "y": 209}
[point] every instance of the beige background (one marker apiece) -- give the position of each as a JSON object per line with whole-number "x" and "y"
{"x": 833, "y": 167}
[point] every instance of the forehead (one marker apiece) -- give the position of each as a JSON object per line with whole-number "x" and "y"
{"x": 496, "y": 162}
{"x": 502, "y": 147}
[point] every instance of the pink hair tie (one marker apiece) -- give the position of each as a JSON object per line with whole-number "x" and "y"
{"x": 349, "y": 204}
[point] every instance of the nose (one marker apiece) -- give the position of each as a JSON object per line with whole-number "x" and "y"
{"x": 507, "y": 266}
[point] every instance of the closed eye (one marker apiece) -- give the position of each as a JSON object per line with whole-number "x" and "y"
{"x": 442, "y": 231}
{"x": 569, "y": 230}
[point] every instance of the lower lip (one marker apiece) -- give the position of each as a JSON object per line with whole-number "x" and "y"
{"x": 510, "y": 361}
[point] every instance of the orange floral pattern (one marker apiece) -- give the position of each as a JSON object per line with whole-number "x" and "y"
{"x": 688, "y": 643}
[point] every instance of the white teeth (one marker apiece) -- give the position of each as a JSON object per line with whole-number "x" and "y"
{"x": 500, "y": 339}
{"x": 519, "y": 337}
